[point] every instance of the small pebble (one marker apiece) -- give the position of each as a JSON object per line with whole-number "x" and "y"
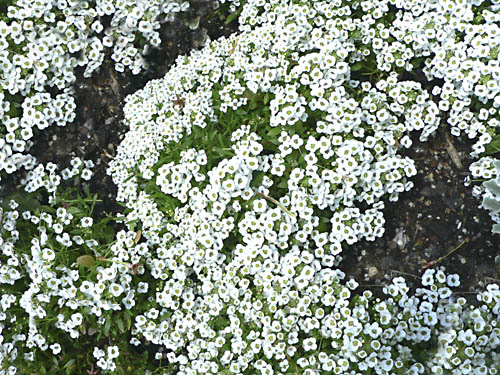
{"x": 372, "y": 272}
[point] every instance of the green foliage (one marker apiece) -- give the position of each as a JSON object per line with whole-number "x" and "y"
{"x": 494, "y": 146}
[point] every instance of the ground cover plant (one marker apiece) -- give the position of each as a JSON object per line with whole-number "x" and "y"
{"x": 246, "y": 173}
{"x": 42, "y": 43}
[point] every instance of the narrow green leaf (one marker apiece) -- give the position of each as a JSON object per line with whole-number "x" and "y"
{"x": 232, "y": 16}
{"x": 121, "y": 327}
{"x": 224, "y": 151}
{"x": 220, "y": 139}
{"x": 106, "y": 327}
{"x": 75, "y": 211}
{"x": 129, "y": 322}
{"x": 69, "y": 364}
{"x": 109, "y": 233}
{"x": 86, "y": 190}
{"x": 274, "y": 131}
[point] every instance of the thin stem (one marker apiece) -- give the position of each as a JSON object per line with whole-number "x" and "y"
{"x": 406, "y": 273}
{"x": 276, "y": 203}
{"x": 434, "y": 262}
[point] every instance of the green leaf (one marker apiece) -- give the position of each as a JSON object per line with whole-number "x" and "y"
{"x": 86, "y": 190}
{"x": 220, "y": 139}
{"x": 192, "y": 23}
{"x": 69, "y": 365}
{"x": 75, "y": 211}
{"x": 85, "y": 260}
{"x": 494, "y": 146}
{"x": 220, "y": 323}
{"x": 357, "y": 66}
{"x": 274, "y": 131}
{"x": 232, "y": 16}
{"x": 241, "y": 112}
{"x": 128, "y": 320}
{"x": 253, "y": 104}
{"x": 121, "y": 327}
{"x": 283, "y": 184}
{"x": 224, "y": 151}
{"x": 26, "y": 201}
{"x": 106, "y": 327}
{"x": 256, "y": 181}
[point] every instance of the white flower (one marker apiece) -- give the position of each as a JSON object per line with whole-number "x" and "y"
{"x": 467, "y": 337}
{"x": 102, "y": 363}
{"x": 374, "y": 330}
{"x": 142, "y": 287}
{"x": 98, "y": 353}
{"x": 56, "y": 348}
{"x": 115, "y": 289}
{"x": 87, "y": 287}
{"x": 310, "y": 344}
{"x": 48, "y": 254}
{"x": 453, "y": 280}
{"x": 77, "y": 319}
{"x": 113, "y": 352}
{"x": 259, "y": 205}
{"x": 428, "y": 277}
{"x": 86, "y": 222}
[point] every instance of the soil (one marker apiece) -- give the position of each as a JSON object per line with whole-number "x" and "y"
{"x": 438, "y": 215}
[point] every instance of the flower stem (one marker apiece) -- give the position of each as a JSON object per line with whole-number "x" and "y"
{"x": 434, "y": 262}
{"x": 276, "y": 203}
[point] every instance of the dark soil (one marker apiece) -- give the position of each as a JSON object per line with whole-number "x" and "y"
{"x": 438, "y": 215}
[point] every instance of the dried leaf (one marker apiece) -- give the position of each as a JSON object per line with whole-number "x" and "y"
{"x": 138, "y": 236}
{"x": 452, "y": 152}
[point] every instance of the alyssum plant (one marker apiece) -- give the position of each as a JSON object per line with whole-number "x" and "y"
{"x": 247, "y": 170}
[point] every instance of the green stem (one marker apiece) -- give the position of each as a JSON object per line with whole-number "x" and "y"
{"x": 434, "y": 262}
{"x": 276, "y": 203}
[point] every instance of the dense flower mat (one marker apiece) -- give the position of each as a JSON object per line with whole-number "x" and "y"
{"x": 246, "y": 172}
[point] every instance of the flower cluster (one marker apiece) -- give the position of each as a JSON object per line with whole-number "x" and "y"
{"x": 43, "y": 42}
{"x": 46, "y": 176}
{"x": 43, "y": 276}
{"x": 489, "y": 169}
{"x": 249, "y": 167}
